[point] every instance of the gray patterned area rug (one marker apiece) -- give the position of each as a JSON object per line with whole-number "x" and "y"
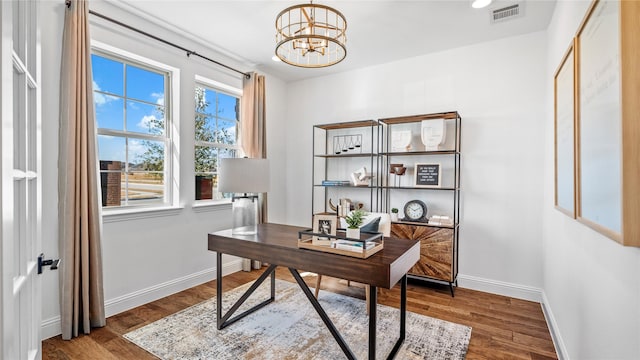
{"x": 289, "y": 328}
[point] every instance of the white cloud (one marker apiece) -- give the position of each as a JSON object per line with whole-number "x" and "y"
{"x": 133, "y": 105}
{"x": 146, "y": 120}
{"x": 136, "y": 148}
{"x": 159, "y": 98}
{"x": 99, "y": 98}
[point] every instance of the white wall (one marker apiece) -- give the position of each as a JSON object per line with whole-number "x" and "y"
{"x": 145, "y": 259}
{"x": 512, "y": 239}
{"x": 498, "y": 88}
{"x": 591, "y": 283}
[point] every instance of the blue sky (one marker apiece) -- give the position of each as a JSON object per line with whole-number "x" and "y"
{"x": 145, "y": 96}
{"x": 144, "y": 102}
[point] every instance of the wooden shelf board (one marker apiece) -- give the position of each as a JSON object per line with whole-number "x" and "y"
{"x": 425, "y": 224}
{"x": 347, "y": 186}
{"x": 347, "y": 125}
{"x": 415, "y": 118}
{"x": 346, "y": 155}
{"x": 418, "y": 188}
{"x": 409, "y": 153}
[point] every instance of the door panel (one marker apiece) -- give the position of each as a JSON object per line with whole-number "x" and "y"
{"x": 20, "y": 186}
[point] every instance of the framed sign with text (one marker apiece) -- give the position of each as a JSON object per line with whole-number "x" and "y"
{"x": 427, "y": 175}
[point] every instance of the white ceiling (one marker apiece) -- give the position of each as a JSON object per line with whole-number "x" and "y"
{"x": 378, "y": 31}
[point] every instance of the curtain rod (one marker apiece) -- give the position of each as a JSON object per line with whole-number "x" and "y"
{"x": 189, "y": 52}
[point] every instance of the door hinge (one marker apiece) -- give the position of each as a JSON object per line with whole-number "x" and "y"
{"x": 50, "y": 262}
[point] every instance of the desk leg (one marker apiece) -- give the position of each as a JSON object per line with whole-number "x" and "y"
{"x": 373, "y": 294}
{"x": 219, "y": 289}
{"x": 373, "y": 307}
{"x": 323, "y": 315}
{"x": 224, "y": 321}
{"x": 273, "y": 284}
{"x": 403, "y": 319}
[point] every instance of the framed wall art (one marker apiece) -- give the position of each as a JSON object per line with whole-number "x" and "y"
{"x": 607, "y": 48}
{"x": 564, "y": 134}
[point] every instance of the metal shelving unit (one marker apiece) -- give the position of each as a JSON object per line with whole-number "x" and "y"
{"x": 327, "y": 164}
{"x": 439, "y": 250}
{"x": 439, "y": 253}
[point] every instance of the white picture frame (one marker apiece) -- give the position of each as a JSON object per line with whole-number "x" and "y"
{"x": 324, "y": 224}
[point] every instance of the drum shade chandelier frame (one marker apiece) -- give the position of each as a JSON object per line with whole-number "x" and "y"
{"x": 311, "y": 36}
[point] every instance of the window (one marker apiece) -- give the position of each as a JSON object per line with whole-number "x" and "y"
{"x": 134, "y": 134}
{"x": 217, "y": 110}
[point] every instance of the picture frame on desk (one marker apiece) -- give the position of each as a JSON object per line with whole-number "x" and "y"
{"x": 427, "y": 175}
{"x": 324, "y": 224}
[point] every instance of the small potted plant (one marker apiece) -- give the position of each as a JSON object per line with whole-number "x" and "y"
{"x": 394, "y": 214}
{"x": 354, "y": 221}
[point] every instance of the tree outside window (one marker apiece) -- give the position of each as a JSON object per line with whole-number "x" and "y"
{"x": 216, "y": 137}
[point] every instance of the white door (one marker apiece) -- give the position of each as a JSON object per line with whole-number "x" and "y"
{"x": 20, "y": 190}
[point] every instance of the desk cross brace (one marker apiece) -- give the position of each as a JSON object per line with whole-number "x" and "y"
{"x": 372, "y": 318}
{"x": 224, "y": 321}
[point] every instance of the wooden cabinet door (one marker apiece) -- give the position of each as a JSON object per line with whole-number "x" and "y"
{"x": 436, "y": 249}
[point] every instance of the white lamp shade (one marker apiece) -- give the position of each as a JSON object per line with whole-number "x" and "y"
{"x": 243, "y": 175}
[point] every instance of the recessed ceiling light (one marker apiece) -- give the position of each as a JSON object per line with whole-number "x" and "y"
{"x": 275, "y": 58}
{"x": 479, "y": 4}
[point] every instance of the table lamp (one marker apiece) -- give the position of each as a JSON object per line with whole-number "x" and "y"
{"x": 245, "y": 178}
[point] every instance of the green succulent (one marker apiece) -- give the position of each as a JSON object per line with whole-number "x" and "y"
{"x": 394, "y": 210}
{"x": 355, "y": 218}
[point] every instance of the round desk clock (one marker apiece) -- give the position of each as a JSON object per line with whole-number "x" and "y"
{"x": 415, "y": 210}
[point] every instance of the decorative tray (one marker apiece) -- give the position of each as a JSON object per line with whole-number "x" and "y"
{"x": 368, "y": 244}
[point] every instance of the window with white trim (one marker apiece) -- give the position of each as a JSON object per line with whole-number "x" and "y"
{"x": 133, "y": 119}
{"x": 217, "y": 109}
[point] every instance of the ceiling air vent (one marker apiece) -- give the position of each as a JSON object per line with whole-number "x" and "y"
{"x": 506, "y": 13}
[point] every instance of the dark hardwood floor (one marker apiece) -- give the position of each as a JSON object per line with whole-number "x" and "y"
{"x": 503, "y": 327}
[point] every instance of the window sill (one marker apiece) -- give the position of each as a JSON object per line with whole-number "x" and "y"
{"x": 138, "y": 213}
{"x": 207, "y": 206}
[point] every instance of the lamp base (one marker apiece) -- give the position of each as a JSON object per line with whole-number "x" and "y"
{"x": 245, "y": 215}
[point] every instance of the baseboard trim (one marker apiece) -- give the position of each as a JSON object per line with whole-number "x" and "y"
{"x": 51, "y": 327}
{"x": 500, "y": 288}
{"x": 558, "y": 343}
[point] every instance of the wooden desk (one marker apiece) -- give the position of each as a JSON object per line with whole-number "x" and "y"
{"x": 277, "y": 245}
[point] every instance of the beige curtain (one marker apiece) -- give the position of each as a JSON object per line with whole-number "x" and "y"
{"x": 253, "y": 125}
{"x": 81, "y": 291}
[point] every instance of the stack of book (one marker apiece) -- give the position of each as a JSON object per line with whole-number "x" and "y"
{"x": 321, "y": 241}
{"x": 440, "y": 220}
{"x": 336, "y": 182}
{"x": 354, "y": 246}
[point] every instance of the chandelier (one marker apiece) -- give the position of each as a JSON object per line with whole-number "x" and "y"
{"x": 311, "y": 36}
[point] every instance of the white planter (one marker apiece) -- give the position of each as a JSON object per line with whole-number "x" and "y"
{"x": 353, "y": 233}
{"x": 394, "y": 216}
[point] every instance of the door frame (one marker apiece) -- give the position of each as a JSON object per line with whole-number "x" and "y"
{"x": 20, "y": 181}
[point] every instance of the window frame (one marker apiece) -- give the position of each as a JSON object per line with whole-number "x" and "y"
{"x": 170, "y": 137}
{"x": 201, "y": 81}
